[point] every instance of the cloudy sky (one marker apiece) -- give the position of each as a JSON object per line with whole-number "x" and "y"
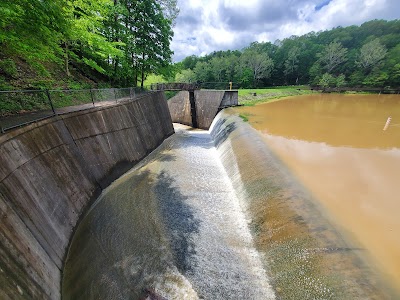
{"x": 204, "y": 26}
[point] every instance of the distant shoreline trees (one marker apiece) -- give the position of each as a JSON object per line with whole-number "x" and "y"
{"x": 366, "y": 55}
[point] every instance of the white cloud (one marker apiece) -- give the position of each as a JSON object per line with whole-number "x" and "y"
{"x": 204, "y": 26}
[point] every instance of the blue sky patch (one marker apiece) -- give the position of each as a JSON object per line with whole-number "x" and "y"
{"x": 322, "y": 4}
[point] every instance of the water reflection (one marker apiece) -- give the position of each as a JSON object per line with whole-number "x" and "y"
{"x": 336, "y": 146}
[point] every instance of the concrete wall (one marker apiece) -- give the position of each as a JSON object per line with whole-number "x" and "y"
{"x": 207, "y": 102}
{"x": 49, "y": 174}
{"x": 179, "y": 108}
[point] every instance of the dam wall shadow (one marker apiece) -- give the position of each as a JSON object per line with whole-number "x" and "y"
{"x": 50, "y": 173}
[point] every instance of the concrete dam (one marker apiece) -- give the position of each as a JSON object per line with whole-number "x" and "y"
{"x": 117, "y": 203}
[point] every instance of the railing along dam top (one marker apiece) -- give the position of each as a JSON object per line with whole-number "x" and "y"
{"x": 175, "y": 86}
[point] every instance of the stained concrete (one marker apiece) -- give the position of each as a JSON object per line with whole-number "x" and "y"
{"x": 207, "y": 104}
{"x": 51, "y": 170}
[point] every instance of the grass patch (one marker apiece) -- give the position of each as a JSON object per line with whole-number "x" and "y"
{"x": 244, "y": 117}
{"x": 249, "y": 97}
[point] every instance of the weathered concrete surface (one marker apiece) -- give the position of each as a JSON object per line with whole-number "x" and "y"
{"x": 231, "y": 98}
{"x": 50, "y": 171}
{"x": 172, "y": 224}
{"x": 208, "y": 103}
{"x": 179, "y": 108}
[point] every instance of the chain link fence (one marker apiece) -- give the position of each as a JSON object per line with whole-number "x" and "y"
{"x": 23, "y": 107}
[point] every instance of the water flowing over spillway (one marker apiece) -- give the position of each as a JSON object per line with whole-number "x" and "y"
{"x": 173, "y": 225}
{"x": 212, "y": 215}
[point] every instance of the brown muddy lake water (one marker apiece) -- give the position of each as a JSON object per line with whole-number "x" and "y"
{"x": 336, "y": 146}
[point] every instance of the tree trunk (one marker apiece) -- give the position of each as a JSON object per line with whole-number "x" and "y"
{"x": 142, "y": 80}
{"x": 66, "y": 59}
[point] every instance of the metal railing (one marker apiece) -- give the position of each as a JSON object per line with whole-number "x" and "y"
{"x": 179, "y": 86}
{"x": 22, "y": 107}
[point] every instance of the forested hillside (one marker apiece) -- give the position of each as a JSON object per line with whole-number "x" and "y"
{"x": 95, "y": 43}
{"x": 80, "y": 43}
{"x": 366, "y": 55}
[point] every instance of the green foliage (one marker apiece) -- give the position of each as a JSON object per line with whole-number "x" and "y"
{"x": 366, "y": 55}
{"x": 185, "y": 76}
{"x": 341, "y": 80}
{"x": 332, "y": 56}
{"x": 377, "y": 79}
{"x": 244, "y": 117}
{"x": 8, "y": 67}
{"x": 371, "y": 54}
{"x": 327, "y": 80}
{"x": 117, "y": 39}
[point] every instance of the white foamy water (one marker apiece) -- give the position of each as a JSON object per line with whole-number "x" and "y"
{"x": 172, "y": 225}
{"x": 225, "y": 264}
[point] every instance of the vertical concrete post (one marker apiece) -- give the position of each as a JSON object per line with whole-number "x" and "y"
{"x": 193, "y": 108}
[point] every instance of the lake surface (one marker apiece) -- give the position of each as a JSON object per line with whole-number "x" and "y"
{"x": 336, "y": 146}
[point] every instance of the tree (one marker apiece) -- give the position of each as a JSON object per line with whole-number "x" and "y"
{"x": 260, "y": 64}
{"x": 371, "y": 54}
{"x": 341, "y": 80}
{"x": 203, "y": 72}
{"x": 185, "y": 76}
{"x": 144, "y": 35}
{"x": 83, "y": 38}
{"x": 332, "y": 56}
{"x": 327, "y": 80}
{"x": 170, "y": 9}
{"x": 31, "y": 29}
{"x": 291, "y": 63}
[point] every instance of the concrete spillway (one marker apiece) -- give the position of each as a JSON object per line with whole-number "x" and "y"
{"x": 173, "y": 225}
{"x": 213, "y": 215}
{"x": 208, "y": 215}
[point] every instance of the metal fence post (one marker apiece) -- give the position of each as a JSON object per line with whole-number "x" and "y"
{"x": 91, "y": 96}
{"x": 115, "y": 96}
{"x": 51, "y": 103}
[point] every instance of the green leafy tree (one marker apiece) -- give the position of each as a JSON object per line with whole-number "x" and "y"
{"x": 291, "y": 63}
{"x": 371, "y": 54}
{"x": 327, "y": 80}
{"x": 203, "y": 72}
{"x": 83, "y": 38}
{"x": 332, "y": 56}
{"x": 31, "y": 30}
{"x": 341, "y": 80}
{"x": 260, "y": 64}
{"x": 185, "y": 76}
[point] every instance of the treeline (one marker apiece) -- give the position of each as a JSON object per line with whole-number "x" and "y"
{"x": 123, "y": 40}
{"x": 366, "y": 55}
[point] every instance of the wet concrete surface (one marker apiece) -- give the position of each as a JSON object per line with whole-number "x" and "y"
{"x": 172, "y": 225}
{"x": 215, "y": 215}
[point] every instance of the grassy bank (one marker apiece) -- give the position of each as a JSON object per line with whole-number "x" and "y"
{"x": 251, "y": 97}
